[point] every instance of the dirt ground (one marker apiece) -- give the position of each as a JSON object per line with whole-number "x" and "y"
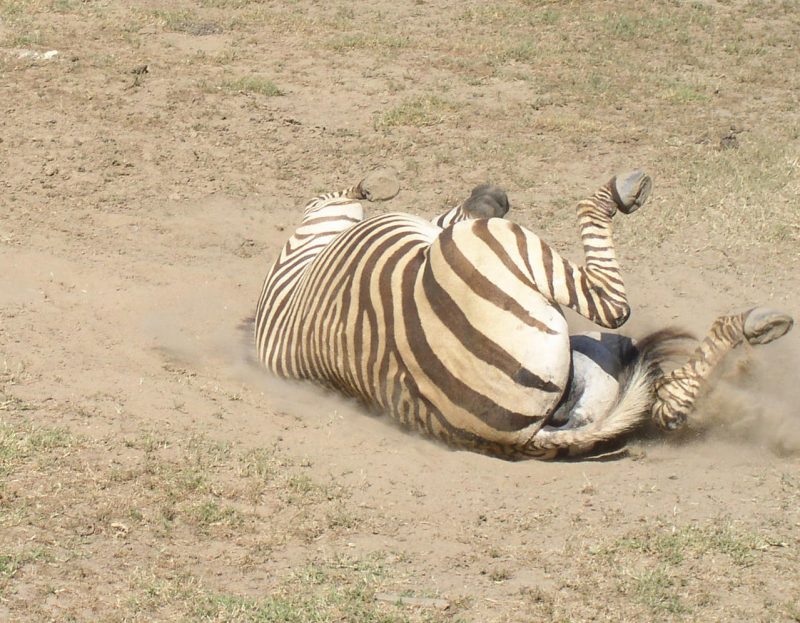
{"x": 149, "y": 172}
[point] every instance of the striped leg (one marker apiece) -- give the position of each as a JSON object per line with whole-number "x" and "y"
{"x": 325, "y": 217}
{"x": 677, "y": 392}
{"x": 595, "y": 290}
{"x": 602, "y": 291}
{"x": 328, "y": 213}
{"x": 486, "y": 201}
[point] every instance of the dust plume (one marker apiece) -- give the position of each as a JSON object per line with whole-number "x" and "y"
{"x": 228, "y": 352}
{"x": 756, "y": 399}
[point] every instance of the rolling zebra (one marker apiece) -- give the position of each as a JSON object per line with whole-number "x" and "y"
{"x": 454, "y": 327}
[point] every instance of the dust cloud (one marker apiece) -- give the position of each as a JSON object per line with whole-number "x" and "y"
{"x": 228, "y": 352}
{"x": 756, "y": 399}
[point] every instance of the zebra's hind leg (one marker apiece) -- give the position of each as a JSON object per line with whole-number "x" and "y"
{"x": 677, "y": 392}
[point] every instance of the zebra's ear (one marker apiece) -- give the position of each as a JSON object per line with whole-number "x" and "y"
{"x": 487, "y": 201}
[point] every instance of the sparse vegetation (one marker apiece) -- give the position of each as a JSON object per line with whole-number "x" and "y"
{"x": 360, "y": 41}
{"x": 226, "y": 4}
{"x": 144, "y": 476}
{"x": 329, "y": 590}
{"x": 256, "y": 85}
{"x": 186, "y": 22}
{"x": 674, "y": 545}
{"x": 655, "y": 589}
{"x": 11, "y": 564}
{"x": 27, "y": 442}
{"x": 417, "y": 112}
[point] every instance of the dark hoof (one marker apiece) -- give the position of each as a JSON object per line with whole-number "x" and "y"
{"x": 487, "y": 201}
{"x": 380, "y": 185}
{"x": 763, "y": 325}
{"x": 630, "y": 190}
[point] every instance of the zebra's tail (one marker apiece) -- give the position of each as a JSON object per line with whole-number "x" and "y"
{"x": 643, "y": 367}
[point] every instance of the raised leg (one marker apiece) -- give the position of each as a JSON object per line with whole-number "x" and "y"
{"x": 595, "y": 289}
{"x": 677, "y": 392}
{"x": 329, "y": 214}
{"x": 486, "y": 201}
{"x": 378, "y": 185}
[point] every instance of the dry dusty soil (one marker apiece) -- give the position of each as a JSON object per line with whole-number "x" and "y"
{"x": 150, "y": 170}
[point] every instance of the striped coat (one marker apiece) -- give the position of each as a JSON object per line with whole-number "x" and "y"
{"x": 453, "y": 327}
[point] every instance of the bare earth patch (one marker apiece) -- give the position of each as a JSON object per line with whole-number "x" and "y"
{"x": 152, "y": 168}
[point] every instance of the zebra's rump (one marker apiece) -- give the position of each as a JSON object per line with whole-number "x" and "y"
{"x": 403, "y": 316}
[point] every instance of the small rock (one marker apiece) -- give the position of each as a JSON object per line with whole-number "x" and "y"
{"x": 37, "y": 56}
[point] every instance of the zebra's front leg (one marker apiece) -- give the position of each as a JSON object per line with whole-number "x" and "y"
{"x": 677, "y": 392}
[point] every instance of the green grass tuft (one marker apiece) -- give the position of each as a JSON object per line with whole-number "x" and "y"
{"x": 655, "y": 589}
{"x": 423, "y": 111}
{"x": 360, "y": 41}
{"x": 681, "y": 543}
{"x": 20, "y": 443}
{"x": 256, "y": 85}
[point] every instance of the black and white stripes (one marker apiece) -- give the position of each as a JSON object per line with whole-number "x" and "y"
{"x": 454, "y": 327}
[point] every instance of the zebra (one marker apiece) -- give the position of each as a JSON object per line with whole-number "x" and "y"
{"x": 454, "y": 327}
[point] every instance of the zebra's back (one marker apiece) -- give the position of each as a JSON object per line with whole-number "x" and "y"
{"x": 334, "y": 323}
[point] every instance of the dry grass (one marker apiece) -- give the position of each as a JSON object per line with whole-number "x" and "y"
{"x": 417, "y": 112}
{"x": 158, "y": 492}
{"x": 254, "y": 84}
{"x": 138, "y": 507}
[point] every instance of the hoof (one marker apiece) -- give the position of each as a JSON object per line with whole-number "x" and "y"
{"x": 380, "y": 185}
{"x": 630, "y": 190}
{"x": 487, "y": 201}
{"x": 668, "y": 416}
{"x": 763, "y": 325}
